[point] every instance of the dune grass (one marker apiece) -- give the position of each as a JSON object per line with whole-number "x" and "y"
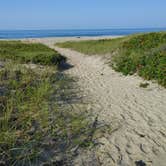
{"x": 29, "y": 53}
{"x": 37, "y": 124}
{"x": 24, "y": 113}
{"x": 92, "y": 47}
{"x": 31, "y": 121}
{"x": 142, "y": 53}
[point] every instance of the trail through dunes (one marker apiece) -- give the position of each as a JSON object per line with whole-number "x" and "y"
{"x": 137, "y": 115}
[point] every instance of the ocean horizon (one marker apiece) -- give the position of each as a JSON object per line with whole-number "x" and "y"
{"x": 20, "y": 34}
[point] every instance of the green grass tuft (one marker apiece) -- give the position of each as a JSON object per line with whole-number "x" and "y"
{"x": 144, "y": 85}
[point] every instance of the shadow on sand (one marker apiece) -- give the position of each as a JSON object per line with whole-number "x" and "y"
{"x": 64, "y": 66}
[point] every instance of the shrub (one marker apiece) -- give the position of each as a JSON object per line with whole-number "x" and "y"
{"x": 142, "y": 53}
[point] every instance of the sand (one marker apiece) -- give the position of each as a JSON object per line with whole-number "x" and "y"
{"x": 138, "y": 115}
{"x": 51, "y": 40}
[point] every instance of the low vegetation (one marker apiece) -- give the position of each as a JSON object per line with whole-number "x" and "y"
{"x": 92, "y": 47}
{"x": 29, "y": 53}
{"x": 36, "y": 125}
{"x": 144, "y": 85}
{"x": 144, "y": 54}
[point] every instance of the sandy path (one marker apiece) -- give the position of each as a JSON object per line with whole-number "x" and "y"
{"x": 139, "y": 114}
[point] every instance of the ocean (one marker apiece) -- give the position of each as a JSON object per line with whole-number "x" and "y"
{"x": 19, "y": 34}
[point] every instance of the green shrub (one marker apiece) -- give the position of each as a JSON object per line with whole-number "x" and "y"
{"x": 142, "y": 53}
{"x": 145, "y": 54}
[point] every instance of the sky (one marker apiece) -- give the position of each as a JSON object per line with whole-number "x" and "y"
{"x": 82, "y": 14}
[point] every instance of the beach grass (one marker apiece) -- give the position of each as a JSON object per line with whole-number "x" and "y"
{"x": 29, "y": 53}
{"x": 37, "y": 122}
{"x": 144, "y": 54}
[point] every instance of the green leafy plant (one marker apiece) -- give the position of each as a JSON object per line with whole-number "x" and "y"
{"x": 144, "y": 54}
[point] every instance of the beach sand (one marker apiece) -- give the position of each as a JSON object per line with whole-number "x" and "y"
{"x": 137, "y": 115}
{"x": 53, "y": 40}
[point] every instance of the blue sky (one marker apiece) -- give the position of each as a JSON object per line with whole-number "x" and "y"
{"x": 73, "y": 14}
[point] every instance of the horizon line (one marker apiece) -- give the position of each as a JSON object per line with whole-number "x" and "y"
{"x": 111, "y": 28}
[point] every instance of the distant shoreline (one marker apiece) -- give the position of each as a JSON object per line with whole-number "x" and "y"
{"x": 30, "y": 34}
{"x": 54, "y": 40}
{"x": 63, "y": 39}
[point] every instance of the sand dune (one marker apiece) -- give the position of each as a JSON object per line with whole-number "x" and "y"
{"x": 138, "y": 115}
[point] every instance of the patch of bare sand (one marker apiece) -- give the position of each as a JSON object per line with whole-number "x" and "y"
{"x": 137, "y": 115}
